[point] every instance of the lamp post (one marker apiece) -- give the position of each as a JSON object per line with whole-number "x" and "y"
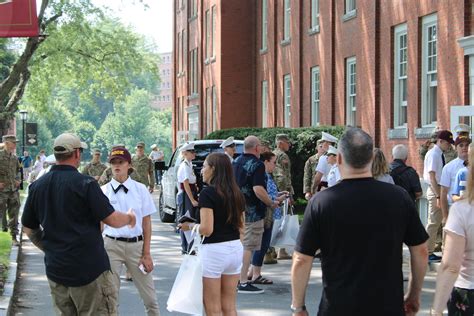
{"x": 23, "y": 117}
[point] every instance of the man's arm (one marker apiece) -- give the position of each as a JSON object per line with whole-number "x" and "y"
{"x": 146, "y": 258}
{"x": 262, "y": 195}
{"x": 316, "y": 181}
{"x": 418, "y": 195}
{"x": 443, "y": 200}
{"x": 300, "y": 272}
{"x": 119, "y": 219}
{"x": 35, "y": 236}
{"x": 434, "y": 183}
{"x": 151, "y": 176}
{"x": 419, "y": 262}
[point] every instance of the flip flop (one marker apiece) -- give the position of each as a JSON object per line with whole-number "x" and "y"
{"x": 262, "y": 280}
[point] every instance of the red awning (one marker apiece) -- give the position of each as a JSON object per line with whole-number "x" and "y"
{"x": 18, "y": 18}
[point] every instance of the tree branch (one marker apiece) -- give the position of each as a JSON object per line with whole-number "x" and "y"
{"x": 12, "y": 105}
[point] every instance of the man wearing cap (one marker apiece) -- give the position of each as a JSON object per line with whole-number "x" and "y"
{"x": 95, "y": 168}
{"x": 156, "y": 157}
{"x": 106, "y": 176}
{"x": 10, "y": 179}
{"x": 433, "y": 167}
{"x": 322, "y": 168}
{"x": 131, "y": 246}
{"x": 62, "y": 216}
{"x": 282, "y": 172}
{"x": 310, "y": 169}
{"x": 334, "y": 175}
{"x": 229, "y": 148}
{"x": 143, "y": 167}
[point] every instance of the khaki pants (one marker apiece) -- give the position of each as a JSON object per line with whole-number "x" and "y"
{"x": 10, "y": 204}
{"x": 435, "y": 218}
{"x": 130, "y": 253}
{"x": 96, "y": 298}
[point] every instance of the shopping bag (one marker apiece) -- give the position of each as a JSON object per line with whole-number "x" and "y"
{"x": 186, "y": 294}
{"x": 285, "y": 230}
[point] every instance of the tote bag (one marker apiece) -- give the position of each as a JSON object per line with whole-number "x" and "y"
{"x": 186, "y": 294}
{"x": 285, "y": 230}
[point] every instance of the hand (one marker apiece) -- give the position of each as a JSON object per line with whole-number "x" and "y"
{"x": 438, "y": 203}
{"x": 185, "y": 226}
{"x": 97, "y": 178}
{"x": 151, "y": 189}
{"x": 443, "y": 221}
{"x": 411, "y": 305}
{"x": 133, "y": 218}
{"x": 275, "y": 205}
{"x": 307, "y": 196}
{"x": 147, "y": 262}
{"x": 2, "y": 185}
{"x": 195, "y": 203}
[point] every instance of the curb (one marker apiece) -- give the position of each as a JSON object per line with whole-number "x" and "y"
{"x": 10, "y": 282}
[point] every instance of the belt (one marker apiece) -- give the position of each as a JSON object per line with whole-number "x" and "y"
{"x": 131, "y": 239}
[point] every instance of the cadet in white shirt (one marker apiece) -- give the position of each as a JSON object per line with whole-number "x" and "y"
{"x": 131, "y": 246}
{"x": 334, "y": 175}
{"x": 322, "y": 169}
{"x": 229, "y": 148}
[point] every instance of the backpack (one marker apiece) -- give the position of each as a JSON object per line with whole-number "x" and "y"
{"x": 398, "y": 179}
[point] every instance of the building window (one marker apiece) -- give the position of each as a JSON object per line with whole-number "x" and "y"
{"x": 179, "y": 50}
{"x": 350, "y": 6}
{"x": 193, "y": 124}
{"x": 208, "y": 109}
{"x": 315, "y": 89}
{"x": 286, "y": 20}
{"x": 214, "y": 108}
{"x": 400, "y": 76}
{"x": 193, "y": 77}
{"x": 351, "y": 118}
{"x": 208, "y": 33}
{"x": 213, "y": 33}
{"x": 429, "y": 89}
{"x": 314, "y": 15}
{"x": 264, "y": 24}
{"x": 287, "y": 99}
{"x": 192, "y": 8}
{"x": 264, "y": 103}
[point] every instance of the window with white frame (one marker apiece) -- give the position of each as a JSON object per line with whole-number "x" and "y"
{"x": 315, "y": 89}
{"x": 286, "y": 20}
{"x": 264, "y": 103}
{"x": 287, "y": 99}
{"x": 214, "y": 108}
{"x": 209, "y": 109}
{"x": 193, "y": 76}
{"x": 429, "y": 80}
{"x": 264, "y": 24}
{"x": 351, "y": 108}
{"x": 314, "y": 14}
{"x": 192, "y": 8}
{"x": 350, "y": 6}
{"x": 213, "y": 30}
{"x": 208, "y": 26}
{"x": 400, "y": 67}
{"x": 179, "y": 50}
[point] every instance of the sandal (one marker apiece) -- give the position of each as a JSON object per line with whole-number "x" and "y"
{"x": 262, "y": 280}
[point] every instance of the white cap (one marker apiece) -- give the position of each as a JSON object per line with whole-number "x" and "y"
{"x": 462, "y": 128}
{"x": 50, "y": 159}
{"x": 153, "y": 146}
{"x": 328, "y": 137}
{"x": 67, "y": 143}
{"x": 228, "y": 142}
{"x": 332, "y": 150}
{"x": 187, "y": 146}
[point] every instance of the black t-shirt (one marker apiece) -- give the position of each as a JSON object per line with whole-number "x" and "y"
{"x": 69, "y": 207}
{"x": 406, "y": 177}
{"x": 360, "y": 226}
{"x": 222, "y": 231}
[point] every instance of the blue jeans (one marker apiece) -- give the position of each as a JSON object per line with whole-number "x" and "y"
{"x": 158, "y": 176}
{"x": 257, "y": 256}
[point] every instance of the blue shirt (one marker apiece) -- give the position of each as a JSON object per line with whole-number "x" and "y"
{"x": 249, "y": 172}
{"x": 460, "y": 181}
{"x": 272, "y": 190}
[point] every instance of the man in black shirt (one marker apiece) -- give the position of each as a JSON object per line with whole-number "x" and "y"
{"x": 360, "y": 237}
{"x": 62, "y": 216}
{"x": 403, "y": 175}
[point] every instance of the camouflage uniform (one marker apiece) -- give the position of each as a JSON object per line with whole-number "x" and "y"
{"x": 282, "y": 172}
{"x": 309, "y": 172}
{"x": 143, "y": 170}
{"x": 9, "y": 196}
{"x": 94, "y": 169}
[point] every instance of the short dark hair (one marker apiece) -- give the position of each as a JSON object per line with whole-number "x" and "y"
{"x": 356, "y": 146}
{"x": 63, "y": 157}
{"x": 266, "y": 156}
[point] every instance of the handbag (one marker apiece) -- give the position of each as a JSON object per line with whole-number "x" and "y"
{"x": 186, "y": 295}
{"x": 285, "y": 230}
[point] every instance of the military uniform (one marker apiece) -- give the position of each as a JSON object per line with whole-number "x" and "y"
{"x": 9, "y": 196}
{"x": 309, "y": 172}
{"x": 143, "y": 170}
{"x": 282, "y": 172}
{"x": 94, "y": 169}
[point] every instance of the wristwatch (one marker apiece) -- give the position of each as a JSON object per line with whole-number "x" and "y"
{"x": 297, "y": 309}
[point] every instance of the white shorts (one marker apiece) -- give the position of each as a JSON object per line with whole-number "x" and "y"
{"x": 223, "y": 258}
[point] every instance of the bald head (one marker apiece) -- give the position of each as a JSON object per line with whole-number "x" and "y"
{"x": 251, "y": 144}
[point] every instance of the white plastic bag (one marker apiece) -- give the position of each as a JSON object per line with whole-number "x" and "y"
{"x": 186, "y": 294}
{"x": 285, "y": 230}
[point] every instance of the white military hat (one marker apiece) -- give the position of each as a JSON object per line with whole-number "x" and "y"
{"x": 153, "y": 146}
{"x": 50, "y": 159}
{"x": 228, "y": 142}
{"x": 328, "y": 137}
{"x": 187, "y": 146}
{"x": 462, "y": 128}
{"x": 332, "y": 150}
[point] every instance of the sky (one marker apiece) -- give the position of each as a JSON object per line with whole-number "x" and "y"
{"x": 155, "y": 22}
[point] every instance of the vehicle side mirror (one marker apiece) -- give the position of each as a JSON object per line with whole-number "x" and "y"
{"x": 160, "y": 165}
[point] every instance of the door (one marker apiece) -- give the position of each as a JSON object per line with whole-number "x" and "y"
{"x": 462, "y": 114}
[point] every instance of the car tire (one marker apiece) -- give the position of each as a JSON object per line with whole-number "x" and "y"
{"x": 165, "y": 217}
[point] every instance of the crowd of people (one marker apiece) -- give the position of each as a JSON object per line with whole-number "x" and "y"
{"x": 109, "y": 210}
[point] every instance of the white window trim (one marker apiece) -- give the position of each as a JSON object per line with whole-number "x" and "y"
{"x": 315, "y": 95}
{"x": 264, "y": 103}
{"x": 348, "y": 5}
{"x": 399, "y": 31}
{"x": 214, "y": 109}
{"x": 427, "y": 22}
{"x": 314, "y": 15}
{"x": 286, "y": 20}
{"x": 287, "y": 100}
{"x": 264, "y": 46}
{"x": 351, "y": 111}
{"x": 207, "y": 25}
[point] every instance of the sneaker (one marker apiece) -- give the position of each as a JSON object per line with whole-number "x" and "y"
{"x": 434, "y": 258}
{"x": 247, "y": 288}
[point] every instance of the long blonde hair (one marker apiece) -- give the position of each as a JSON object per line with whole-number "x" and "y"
{"x": 470, "y": 175}
{"x": 379, "y": 165}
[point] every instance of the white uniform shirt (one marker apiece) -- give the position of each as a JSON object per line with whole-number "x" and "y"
{"x": 433, "y": 162}
{"x": 448, "y": 175}
{"x": 156, "y": 155}
{"x": 323, "y": 167}
{"x": 230, "y": 157}
{"x": 137, "y": 198}
{"x": 334, "y": 176}
{"x": 185, "y": 171}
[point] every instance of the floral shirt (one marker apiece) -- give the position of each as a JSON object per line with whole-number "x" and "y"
{"x": 273, "y": 193}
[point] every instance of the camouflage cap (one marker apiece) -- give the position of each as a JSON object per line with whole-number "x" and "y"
{"x": 9, "y": 138}
{"x": 265, "y": 143}
{"x": 141, "y": 144}
{"x": 282, "y": 137}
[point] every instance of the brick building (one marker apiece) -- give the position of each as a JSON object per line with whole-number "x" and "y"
{"x": 165, "y": 99}
{"x": 397, "y": 68}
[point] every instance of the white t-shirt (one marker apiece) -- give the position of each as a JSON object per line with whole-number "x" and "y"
{"x": 334, "y": 176}
{"x": 323, "y": 167}
{"x": 448, "y": 175}
{"x": 137, "y": 198}
{"x": 461, "y": 222}
{"x": 185, "y": 171}
{"x": 433, "y": 162}
{"x": 385, "y": 178}
{"x": 156, "y": 155}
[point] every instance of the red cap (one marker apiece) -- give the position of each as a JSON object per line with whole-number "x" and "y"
{"x": 120, "y": 153}
{"x": 446, "y": 135}
{"x": 461, "y": 139}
